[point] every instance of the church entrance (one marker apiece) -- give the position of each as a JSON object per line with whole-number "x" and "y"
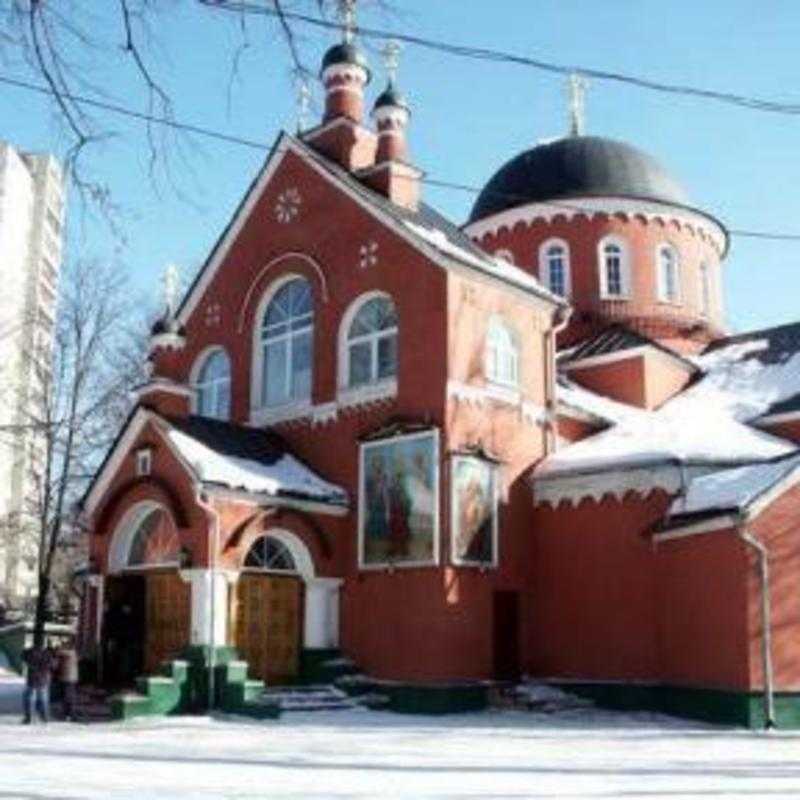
{"x": 148, "y": 605}
{"x": 267, "y": 612}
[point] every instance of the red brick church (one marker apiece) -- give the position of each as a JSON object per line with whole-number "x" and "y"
{"x": 458, "y": 455}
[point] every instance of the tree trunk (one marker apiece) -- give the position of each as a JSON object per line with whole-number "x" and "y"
{"x": 42, "y": 609}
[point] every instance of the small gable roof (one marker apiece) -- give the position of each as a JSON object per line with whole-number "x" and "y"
{"x": 424, "y": 228}
{"x": 223, "y": 455}
{"x": 618, "y": 339}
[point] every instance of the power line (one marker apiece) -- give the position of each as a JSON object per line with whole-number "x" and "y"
{"x": 499, "y": 56}
{"x": 261, "y": 146}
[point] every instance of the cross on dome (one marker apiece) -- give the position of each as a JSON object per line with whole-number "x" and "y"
{"x": 576, "y": 88}
{"x": 303, "y": 104}
{"x": 391, "y": 58}
{"x": 347, "y": 16}
{"x": 171, "y": 284}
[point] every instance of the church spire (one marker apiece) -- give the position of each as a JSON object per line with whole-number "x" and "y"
{"x": 576, "y": 88}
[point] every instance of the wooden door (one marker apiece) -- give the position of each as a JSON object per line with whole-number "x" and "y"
{"x": 267, "y": 628}
{"x": 124, "y": 626}
{"x": 506, "y": 635}
{"x": 168, "y": 617}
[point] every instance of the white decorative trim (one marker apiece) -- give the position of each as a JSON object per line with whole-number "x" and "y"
{"x": 368, "y": 255}
{"x": 119, "y": 549}
{"x": 213, "y": 315}
{"x": 616, "y": 483}
{"x": 392, "y": 565}
{"x": 287, "y": 206}
{"x": 480, "y": 396}
{"x": 161, "y": 384}
{"x": 711, "y": 525}
{"x": 324, "y": 413}
{"x": 273, "y": 415}
{"x": 167, "y": 341}
{"x": 589, "y": 206}
{"x": 345, "y": 71}
{"x": 367, "y": 394}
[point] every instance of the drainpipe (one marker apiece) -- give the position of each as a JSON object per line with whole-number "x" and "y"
{"x": 213, "y": 516}
{"x": 766, "y": 627}
{"x": 551, "y": 345}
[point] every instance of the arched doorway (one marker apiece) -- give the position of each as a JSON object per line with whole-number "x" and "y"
{"x": 147, "y": 617}
{"x": 268, "y": 606}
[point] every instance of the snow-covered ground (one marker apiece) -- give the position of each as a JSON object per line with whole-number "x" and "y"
{"x": 363, "y": 754}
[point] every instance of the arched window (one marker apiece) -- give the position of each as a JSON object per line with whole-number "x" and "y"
{"x": 705, "y": 290}
{"x": 372, "y": 343}
{"x": 554, "y": 266}
{"x": 502, "y": 354}
{"x": 155, "y": 541}
{"x": 269, "y": 553}
{"x": 213, "y": 386}
{"x": 614, "y": 279}
{"x": 286, "y": 339}
{"x": 668, "y": 274}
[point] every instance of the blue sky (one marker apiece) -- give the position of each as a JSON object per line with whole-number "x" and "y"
{"x": 469, "y": 118}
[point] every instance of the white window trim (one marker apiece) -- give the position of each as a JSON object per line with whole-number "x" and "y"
{"x": 375, "y": 390}
{"x": 544, "y": 264}
{"x": 194, "y": 378}
{"x": 492, "y": 380}
{"x": 392, "y": 565}
{"x": 661, "y": 276}
{"x": 480, "y": 565}
{"x": 625, "y": 267}
{"x": 144, "y": 462}
{"x": 259, "y": 411}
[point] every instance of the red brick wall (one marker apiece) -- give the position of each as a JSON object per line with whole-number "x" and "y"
{"x": 622, "y": 380}
{"x": 643, "y": 310}
{"x": 788, "y": 430}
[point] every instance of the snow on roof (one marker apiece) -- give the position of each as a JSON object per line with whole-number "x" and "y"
{"x": 707, "y": 423}
{"x": 732, "y": 489}
{"x": 285, "y": 475}
{"x": 483, "y": 261}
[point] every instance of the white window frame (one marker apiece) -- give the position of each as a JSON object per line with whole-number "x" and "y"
{"x": 259, "y": 411}
{"x": 662, "y": 279}
{"x": 382, "y": 387}
{"x": 197, "y": 387}
{"x": 545, "y": 274}
{"x": 492, "y": 378}
{"x": 144, "y": 462}
{"x": 625, "y": 268}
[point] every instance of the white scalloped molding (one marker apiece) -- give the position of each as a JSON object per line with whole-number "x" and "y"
{"x": 167, "y": 341}
{"x": 367, "y": 394}
{"x": 481, "y": 396}
{"x": 574, "y": 488}
{"x": 587, "y": 206}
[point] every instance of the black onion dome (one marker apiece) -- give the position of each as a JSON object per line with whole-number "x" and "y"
{"x": 346, "y": 53}
{"x": 577, "y": 166}
{"x": 167, "y": 324}
{"x": 392, "y": 96}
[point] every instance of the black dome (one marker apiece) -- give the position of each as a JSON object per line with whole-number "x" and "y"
{"x": 578, "y": 166}
{"x": 345, "y": 53}
{"x": 391, "y": 96}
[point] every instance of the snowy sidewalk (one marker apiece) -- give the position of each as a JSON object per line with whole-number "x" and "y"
{"x": 364, "y": 754}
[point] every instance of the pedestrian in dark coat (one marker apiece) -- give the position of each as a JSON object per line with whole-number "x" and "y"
{"x": 40, "y": 664}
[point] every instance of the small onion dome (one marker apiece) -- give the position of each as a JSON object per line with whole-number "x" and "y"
{"x": 392, "y": 98}
{"x": 167, "y": 324}
{"x": 345, "y": 54}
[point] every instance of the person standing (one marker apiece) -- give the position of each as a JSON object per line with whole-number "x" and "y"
{"x": 40, "y": 664}
{"x": 68, "y": 677}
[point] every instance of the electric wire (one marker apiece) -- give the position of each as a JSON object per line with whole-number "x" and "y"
{"x": 229, "y": 138}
